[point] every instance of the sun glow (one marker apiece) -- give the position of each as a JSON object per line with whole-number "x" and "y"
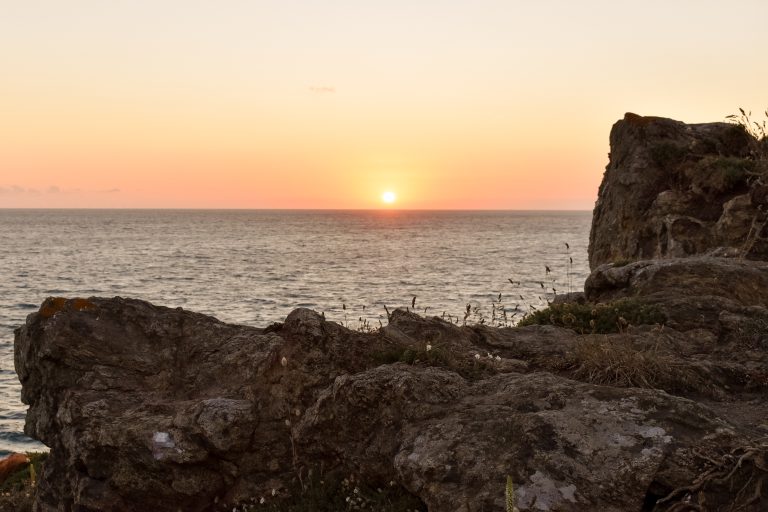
{"x": 388, "y": 197}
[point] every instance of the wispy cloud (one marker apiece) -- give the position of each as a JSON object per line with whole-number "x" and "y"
{"x": 15, "y": 190}
{"x": 322, "y": 89}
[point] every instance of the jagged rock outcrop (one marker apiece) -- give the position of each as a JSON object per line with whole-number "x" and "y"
{"x": 673, "y": 189}
{"x": 146, "y": 407}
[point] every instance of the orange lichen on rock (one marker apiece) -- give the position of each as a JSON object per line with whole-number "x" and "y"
{"x": 79, "y": 304}
{"x": 53, "y": 305}
{"x": 11, "y": 464}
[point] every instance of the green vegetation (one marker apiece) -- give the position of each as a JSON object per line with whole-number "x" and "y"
{"x": 717, "y": 175}
{"x": 16, "y": 493}
{"x": 596, "y": 318}
{"x": 433, "y": 357}
{"x": 509, "y": 495}
{"x": 730, "y": 172}
{"x": 22, "y": 479}
{"x": 470, "y": 367}
{"x": 667, "y": 154}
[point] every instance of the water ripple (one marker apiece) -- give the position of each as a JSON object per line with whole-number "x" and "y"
{"x": 254, "y": 267}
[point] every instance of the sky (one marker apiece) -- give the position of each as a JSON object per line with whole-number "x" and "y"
{"x": 486, "y": 104}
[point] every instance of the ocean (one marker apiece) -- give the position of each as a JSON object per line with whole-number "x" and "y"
{"x": 254, "y": 266}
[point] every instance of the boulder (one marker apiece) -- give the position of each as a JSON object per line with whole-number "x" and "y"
{"x": 673, "y": 190}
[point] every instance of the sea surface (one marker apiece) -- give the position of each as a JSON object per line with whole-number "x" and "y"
{"x": 254, "y": 267}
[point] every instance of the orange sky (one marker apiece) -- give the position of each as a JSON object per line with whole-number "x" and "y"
{"x": 281, "y": 104}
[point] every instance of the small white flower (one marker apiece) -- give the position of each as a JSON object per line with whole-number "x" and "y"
{"x": 489, "y": 355}
{"x": 287, "y": 423}
{"x": 477, "y": 356}
{"x": 498, "y": 358}
{"x": 429, "y": 347}
{"x": 262, "y": 501}
{"x": 274, "y": 492}
{"x": 284, "y": 361}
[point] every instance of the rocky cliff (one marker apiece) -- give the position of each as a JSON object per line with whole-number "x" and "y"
{"x": 650, "y": 394}
{"x": 673, "y": 189}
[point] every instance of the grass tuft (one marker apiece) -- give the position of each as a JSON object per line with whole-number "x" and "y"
{"x": 596, "y": 318}
{"x": 756, "y": 129}
{"x": 617, "y": 363}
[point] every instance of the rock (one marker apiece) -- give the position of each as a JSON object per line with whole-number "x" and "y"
{"x": 563, "y": 298}
{"x": 567, "y": 446}
{"x": 150, "y": 408}
{"x": 740, "y": 281}
{"x": 673, "y": 190}
{"x": 691, "y": 291}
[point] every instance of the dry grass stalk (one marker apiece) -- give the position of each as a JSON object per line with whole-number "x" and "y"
{"x": 614, "y": 361}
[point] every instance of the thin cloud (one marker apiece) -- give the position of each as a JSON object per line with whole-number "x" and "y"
{"x": 15, "y": 190}
{"x": 322, "y": 89}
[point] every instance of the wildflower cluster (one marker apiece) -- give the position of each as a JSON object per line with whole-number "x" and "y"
{"x": 489, "y": 356}
{"x": 257, "y": 503}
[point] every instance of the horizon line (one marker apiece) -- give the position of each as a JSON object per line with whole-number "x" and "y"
{"x": 300, "y": 209}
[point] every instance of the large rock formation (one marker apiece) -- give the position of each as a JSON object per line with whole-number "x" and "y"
{"x": 647, "y": 394}
{"x": 146, "y": 407}
{"x": 673, "y": 189}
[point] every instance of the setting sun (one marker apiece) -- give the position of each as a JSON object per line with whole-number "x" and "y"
{"x": 388, "y": 197}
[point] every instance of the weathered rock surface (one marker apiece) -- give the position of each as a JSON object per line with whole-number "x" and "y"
{"x": 673, "y": 189}
{"x": 146, "y": 407}
{"x": 691, "y": 291}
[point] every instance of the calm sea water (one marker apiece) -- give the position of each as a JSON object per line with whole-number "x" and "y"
{"x": 254, "y": 267}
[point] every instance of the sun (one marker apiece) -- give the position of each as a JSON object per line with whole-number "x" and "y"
{"x": 388, "y": 197}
